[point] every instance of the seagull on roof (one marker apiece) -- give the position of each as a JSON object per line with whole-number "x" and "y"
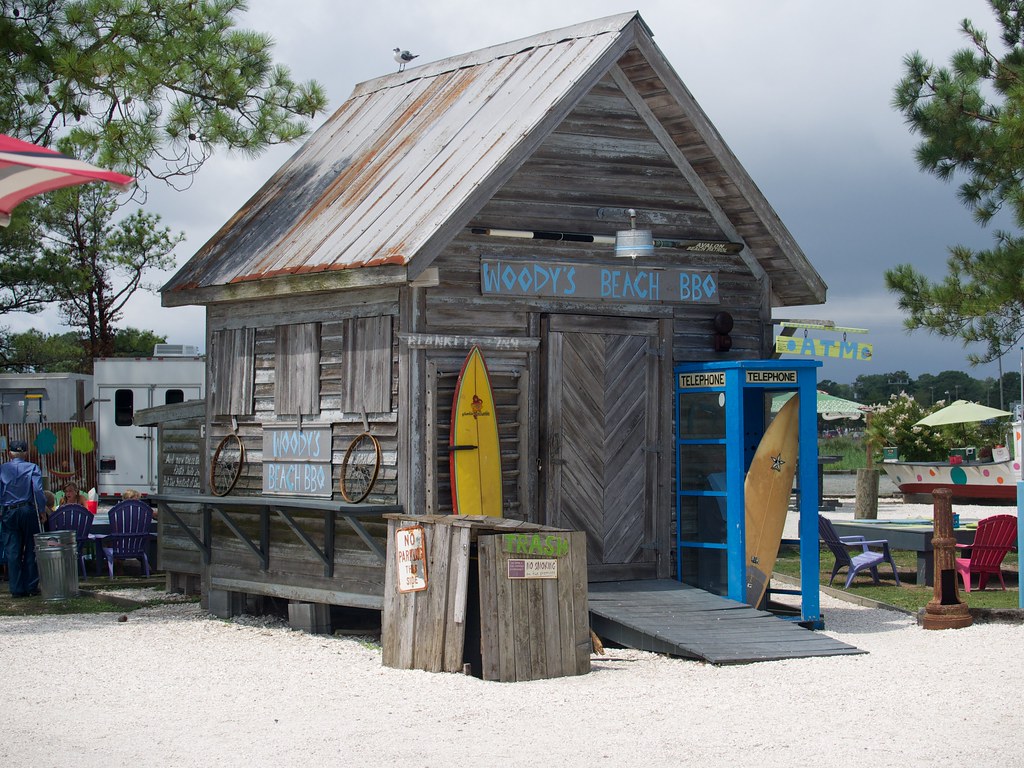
{"x": 403, "y": 58}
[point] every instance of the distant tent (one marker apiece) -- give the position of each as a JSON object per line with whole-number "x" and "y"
{"x": 829, "y": 406}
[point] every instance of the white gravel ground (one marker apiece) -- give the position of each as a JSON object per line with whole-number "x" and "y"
{"x": 172, "y": 686}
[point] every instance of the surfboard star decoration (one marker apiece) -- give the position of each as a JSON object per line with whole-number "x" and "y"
{"x": 777, "y": 462}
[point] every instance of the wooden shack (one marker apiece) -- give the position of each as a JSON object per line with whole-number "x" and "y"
{"x": 475, "y": 201}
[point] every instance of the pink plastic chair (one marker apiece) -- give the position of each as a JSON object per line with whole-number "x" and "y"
{"x": 993, "y": 540}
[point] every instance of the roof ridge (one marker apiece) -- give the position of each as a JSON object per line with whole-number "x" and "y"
{"x": 593, "y": 28}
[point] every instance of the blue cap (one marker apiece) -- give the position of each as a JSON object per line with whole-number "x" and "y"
{"x": 18, "y": 446}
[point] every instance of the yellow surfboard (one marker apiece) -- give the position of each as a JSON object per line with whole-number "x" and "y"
{"x": 473, "y": 448}
{"x": 767, "y": 489}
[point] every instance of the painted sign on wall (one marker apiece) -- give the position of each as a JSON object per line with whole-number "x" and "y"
{"x": 625, "y": 282}
{"x": 297, "y": 462}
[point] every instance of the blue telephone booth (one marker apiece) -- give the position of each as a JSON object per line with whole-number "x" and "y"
{"x": 721, "y": 411}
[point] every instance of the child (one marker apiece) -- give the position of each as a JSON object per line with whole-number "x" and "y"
{"x": 130, "y": 494}
{"x": 71, "y": 494}
{"x": 51, "y": 502}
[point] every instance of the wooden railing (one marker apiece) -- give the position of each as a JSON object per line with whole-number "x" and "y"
{"x": 226, "y": 509}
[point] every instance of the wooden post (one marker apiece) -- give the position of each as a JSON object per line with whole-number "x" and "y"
{"x": 945, "y": 610}
{"x": 867, "y": 495}
{"x": 867, "y": 441}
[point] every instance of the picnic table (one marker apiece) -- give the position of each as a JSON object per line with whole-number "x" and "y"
{"x": 910, "y": 534}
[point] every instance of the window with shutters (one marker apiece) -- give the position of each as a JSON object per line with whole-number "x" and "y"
{"x": 297, "y": 369}
{"x": 232, "y": 370}
{"x": 367, "y": 354}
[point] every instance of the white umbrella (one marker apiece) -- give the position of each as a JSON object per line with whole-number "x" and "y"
{"x": 961, "y": 412}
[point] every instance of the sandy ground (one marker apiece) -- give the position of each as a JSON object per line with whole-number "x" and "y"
{"x": 172, "y": 686}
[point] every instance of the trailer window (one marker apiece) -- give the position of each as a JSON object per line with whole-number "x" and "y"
{"x": 172, "y": 396}
{"x": 124, "y": 407}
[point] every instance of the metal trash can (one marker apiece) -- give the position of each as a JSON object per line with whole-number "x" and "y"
{"x": 57, "y": 560}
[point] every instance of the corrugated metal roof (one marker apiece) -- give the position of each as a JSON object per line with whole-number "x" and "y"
{"x": 399, "y": 158}
{"x": 410, "y": 158}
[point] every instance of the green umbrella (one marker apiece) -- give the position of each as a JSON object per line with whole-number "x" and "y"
{"x": 961, "y": 412}
{"x": 829, "y": 406}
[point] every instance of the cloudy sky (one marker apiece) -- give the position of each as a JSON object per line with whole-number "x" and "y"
{"x": 799, "y": 89}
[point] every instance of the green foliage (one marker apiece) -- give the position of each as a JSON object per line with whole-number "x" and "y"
{"x": 851, "y": 450}
{"x": 971, "y": 119}
{"x": 895, "y": 424}
{"x": 132, "y": 342}
{"x": 23, "y": 275}
{"x": 37, "y": 352}
{"x": 98, "y": 264}
{"x": 149, "y": 87}
{"x": 875, "y": 389}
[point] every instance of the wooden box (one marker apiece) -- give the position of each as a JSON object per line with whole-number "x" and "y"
{"x": 505, "y": 597}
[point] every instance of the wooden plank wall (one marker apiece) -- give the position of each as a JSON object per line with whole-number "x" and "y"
{"x": 294, "y": 571}
{"x": 602, "y": 160}
{"x": 509, "y": 386}
{"x": 533, "y": 629}
{"x": 336, "y": 312}
{"x": 294, "y": 568}
{"x": 427, "y": 629}
{"x": 472, "y": 612}
{"x": 183, "y": 470}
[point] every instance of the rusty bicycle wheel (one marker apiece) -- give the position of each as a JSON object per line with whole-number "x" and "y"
{"x": 360, "y": 468}
{"x": 226, "y": 468}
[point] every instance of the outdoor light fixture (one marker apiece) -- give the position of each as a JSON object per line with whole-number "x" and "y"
{"x": 633, "y": 242}
{"x": 722, "y": 323}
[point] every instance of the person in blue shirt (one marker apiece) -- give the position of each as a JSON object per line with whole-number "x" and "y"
{"x": 21, "y": 504}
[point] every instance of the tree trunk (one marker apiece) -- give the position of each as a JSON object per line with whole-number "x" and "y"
{"x": 867, "y": 495}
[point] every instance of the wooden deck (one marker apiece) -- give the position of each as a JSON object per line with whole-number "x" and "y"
{"x": 666, "y": 616}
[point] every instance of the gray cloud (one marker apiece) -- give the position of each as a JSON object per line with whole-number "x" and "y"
{"x": 799, "y": 89}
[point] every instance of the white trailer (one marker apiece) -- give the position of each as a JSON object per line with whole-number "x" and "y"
{"x": 123, "y": 385}
{"x": 37, "y": 398}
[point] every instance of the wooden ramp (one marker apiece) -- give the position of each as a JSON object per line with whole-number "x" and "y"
{"x": 667, "y": 616}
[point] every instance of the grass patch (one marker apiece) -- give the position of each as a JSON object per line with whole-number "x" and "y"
{"x": 89, "y": 600}
{"x": 909, "y": 595}
{"x": 851, "y": 450}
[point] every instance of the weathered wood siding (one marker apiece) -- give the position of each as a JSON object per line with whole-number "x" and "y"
{"x": 293, "y": 571}
{"x": 183, "y": 469}
{"x": 473, "y": 612}
{"x": 603, "y": 159}
{"x": 611, "y": 153}
{"x": 349, "y": 373}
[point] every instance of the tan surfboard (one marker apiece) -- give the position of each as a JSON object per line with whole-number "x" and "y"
{"x": 767, "y": 489}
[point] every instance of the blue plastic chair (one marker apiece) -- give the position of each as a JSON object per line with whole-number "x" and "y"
{"x": 866, "y": 559}
{"x": 73, "y": 517}
{"x": 129, "y": 535}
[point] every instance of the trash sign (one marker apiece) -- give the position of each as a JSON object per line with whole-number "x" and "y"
{"x": 411, "y": 559}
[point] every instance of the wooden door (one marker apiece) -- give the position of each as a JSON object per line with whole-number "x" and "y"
{"x": 601, "y": 441}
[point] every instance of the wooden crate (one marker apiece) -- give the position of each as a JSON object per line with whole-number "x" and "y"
{"x": 477, "y": 610}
